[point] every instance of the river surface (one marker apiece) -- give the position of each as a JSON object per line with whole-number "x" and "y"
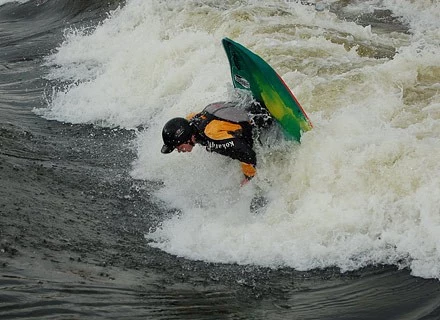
{"x": 95, "y": 223}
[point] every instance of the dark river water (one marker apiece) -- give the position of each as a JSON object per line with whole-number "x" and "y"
{"x": 73, "y": 219}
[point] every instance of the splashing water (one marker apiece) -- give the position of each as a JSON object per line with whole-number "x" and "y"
{"x": 362, "y": 188}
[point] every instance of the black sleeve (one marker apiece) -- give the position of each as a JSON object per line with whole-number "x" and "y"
{"x": 241, "y": 151}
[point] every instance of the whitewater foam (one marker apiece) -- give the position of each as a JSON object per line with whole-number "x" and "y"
{"x": 2, "y": 2}
{"x": 360, "y": 189}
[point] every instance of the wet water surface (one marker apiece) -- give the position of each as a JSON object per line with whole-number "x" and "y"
{"x": 73, "y": 218}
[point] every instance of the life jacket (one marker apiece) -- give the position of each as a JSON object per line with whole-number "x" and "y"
{"x": 227, "y": 111}
{"x": 225, "y": 129}
{"x": 221, "y": 121}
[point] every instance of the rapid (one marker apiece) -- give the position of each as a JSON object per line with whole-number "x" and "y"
{"x": 97, "y": 223}
{"x": 360, "y": 189}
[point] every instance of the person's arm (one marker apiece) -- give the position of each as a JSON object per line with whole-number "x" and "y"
{"x": 235, "y": 145}
{"x": 249, "y": 172}
{"x": 243, "y": 152}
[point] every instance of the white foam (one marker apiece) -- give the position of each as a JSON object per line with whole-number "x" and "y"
{"x": 2, "y": 2}
{"x": 363, "y": 186}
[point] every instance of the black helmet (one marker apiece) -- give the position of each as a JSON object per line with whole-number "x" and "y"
{"x": 175, "y": 132}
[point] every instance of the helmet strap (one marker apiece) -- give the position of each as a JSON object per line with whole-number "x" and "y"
{"x": 191, "y": 141}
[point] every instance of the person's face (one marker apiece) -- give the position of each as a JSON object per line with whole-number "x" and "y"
{"x": 185, "y": 147}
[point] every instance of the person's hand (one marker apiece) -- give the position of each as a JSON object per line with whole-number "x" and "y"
{"x": 245, "y": 181}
